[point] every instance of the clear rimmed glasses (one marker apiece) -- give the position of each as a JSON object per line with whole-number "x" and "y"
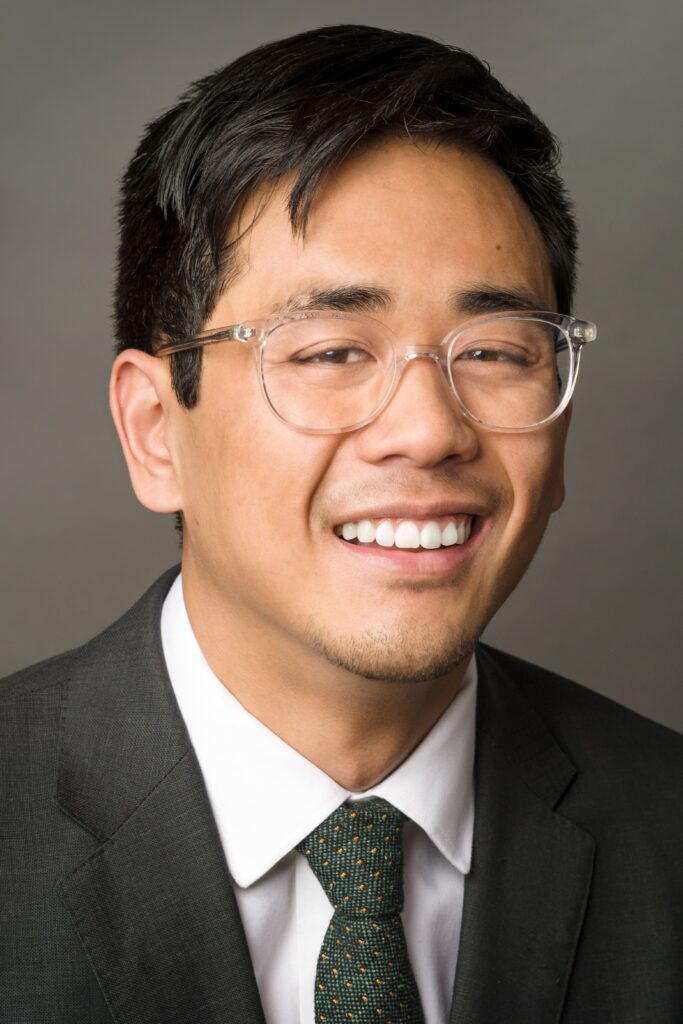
{"x": 327, "y": 372}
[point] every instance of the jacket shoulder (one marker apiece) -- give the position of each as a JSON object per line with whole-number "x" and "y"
{"x": 590, "y": 726}
{"x": 34, "y": 678}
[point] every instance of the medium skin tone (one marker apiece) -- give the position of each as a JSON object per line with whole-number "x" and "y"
{"x": 351, "y": 661}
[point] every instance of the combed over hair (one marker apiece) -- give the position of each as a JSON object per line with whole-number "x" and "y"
{"x": 303, "y": 104}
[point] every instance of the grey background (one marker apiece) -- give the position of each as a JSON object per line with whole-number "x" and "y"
{"x": 79, "y": 79}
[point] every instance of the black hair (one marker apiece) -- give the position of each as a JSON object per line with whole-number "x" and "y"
{"x": 303, "y": 104}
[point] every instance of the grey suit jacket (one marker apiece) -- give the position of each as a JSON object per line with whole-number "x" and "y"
{"x": 116, "y": 904}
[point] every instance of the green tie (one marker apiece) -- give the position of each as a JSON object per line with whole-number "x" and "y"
{"x": 363, "y": 971}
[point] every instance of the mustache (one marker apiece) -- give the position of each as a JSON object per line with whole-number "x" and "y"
{"x": 403, "y": 485}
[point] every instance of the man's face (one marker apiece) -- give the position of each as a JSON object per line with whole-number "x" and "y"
{"x": 263, "y": 502}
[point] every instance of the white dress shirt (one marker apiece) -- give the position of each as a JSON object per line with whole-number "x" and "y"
{"x": 266, "y": 797}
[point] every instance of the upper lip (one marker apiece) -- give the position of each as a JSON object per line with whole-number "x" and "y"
{"x": 411, "y": 511}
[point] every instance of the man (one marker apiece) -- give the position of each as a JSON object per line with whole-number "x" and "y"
{"x": 289, "y": 785}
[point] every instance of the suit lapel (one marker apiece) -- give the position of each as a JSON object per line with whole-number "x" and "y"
{"x": 153, "y": 905}
{"x": 527, "y": 891}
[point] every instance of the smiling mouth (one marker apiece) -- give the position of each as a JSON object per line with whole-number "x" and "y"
{"x": 409, "y": 534}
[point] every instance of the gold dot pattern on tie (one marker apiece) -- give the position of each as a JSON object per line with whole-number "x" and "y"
{"x": 363, "y": 971}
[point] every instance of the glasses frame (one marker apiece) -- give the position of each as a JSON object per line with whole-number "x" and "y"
{"x": 255, "y": 333}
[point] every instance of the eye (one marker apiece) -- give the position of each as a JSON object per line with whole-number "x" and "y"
{"x": 495, "y": 355}
{"x": 334, "y": 357}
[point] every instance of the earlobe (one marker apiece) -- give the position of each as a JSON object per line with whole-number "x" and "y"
{"x": 140, "y": 398}
{"x": 559, "y": 495}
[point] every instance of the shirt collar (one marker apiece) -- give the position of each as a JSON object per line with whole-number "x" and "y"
{"x": 266, "y": 797}
{"x": 434, "y": 786}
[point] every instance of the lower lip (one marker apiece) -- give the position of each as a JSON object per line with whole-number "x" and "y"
{"x": 416, "y": 562}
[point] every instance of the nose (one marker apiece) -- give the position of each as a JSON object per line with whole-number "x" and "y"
{"x": 423, "y": 422}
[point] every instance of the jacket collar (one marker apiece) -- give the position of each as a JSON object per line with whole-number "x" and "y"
{"x": 121, "y": 731}
{"x": 527, "y": 891}
{"x": 153, "y": 905}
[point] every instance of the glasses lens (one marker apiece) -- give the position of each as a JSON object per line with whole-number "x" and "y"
{"x": 324, "y": 373}
{"x": 512, "y": 372}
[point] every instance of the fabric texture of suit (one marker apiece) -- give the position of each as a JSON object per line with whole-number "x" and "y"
{"x": 116, "y": 903}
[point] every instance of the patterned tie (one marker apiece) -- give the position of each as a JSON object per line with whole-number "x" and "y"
{"x": 363, "y": 971}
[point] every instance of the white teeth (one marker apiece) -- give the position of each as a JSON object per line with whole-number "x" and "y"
{"x": 449, "y": 536}
{"x": 385, "y": 534}
{"x": 430, "y": 536}
{"x": 464, "y": 530}
{"x": 407, "y": 534}
{"x": 366, "y": 531}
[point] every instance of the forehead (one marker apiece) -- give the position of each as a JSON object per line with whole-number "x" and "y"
{"x": 417, "y": 222}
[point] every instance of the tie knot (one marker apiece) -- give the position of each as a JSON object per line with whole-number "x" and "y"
{"x": 357, "y": 856}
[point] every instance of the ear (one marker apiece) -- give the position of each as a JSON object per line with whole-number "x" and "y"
{"x": 141, "y": 400}
{"x": 559, "y": 494}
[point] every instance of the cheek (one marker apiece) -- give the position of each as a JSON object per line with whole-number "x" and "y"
{"x": 249, "y": 480}
{"x": 533, "y": 464}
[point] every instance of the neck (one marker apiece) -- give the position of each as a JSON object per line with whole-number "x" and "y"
{"x": 356, "y": 730}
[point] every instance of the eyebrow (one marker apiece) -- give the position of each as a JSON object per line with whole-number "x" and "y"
{"x": 345, "y": 298}
{"x": 490, "y": 299}
{"x": 471, "y": 301}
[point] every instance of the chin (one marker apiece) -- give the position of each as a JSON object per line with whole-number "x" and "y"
{"x": 395, "y": 656}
